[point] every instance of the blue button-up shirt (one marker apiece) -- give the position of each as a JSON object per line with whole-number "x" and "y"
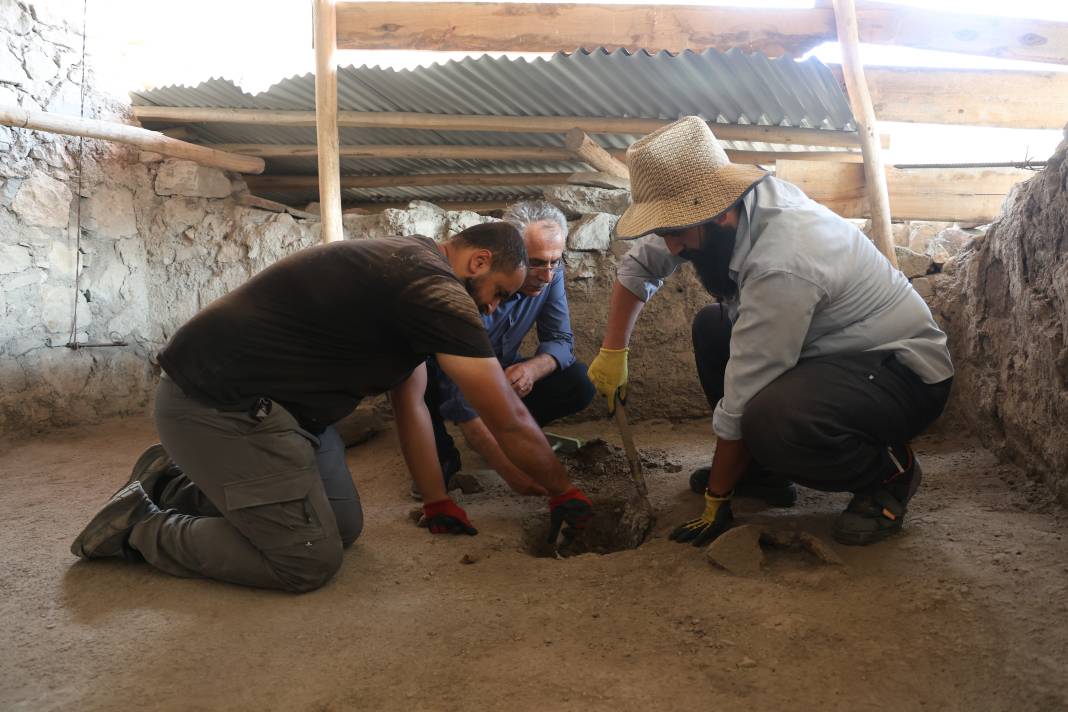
{"x": 506, "y": 328}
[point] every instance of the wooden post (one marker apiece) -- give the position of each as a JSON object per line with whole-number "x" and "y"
{"x": 591, "y": 152}
{"x": 326, "y": 120}
{"x": 845, "y": 15}
{"x": 132, "y": 135}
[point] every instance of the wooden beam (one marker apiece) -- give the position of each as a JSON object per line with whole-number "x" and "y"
{"x": 544, "y": 27}
{"x": 975, "y": 97}
{"x": 476, "y": 206}
{"x": 131, "y": 135}
{"x": 845, "y": 14}
{"x": 951, "y": 194}
{"x": 589, "y": 151}
{"x": 284, "y": 183}
{"x": 505, "y": 124}
{"x": 503, "y": 153}
{"x": 326, "y": 120}
{"x": 254, "y": 201}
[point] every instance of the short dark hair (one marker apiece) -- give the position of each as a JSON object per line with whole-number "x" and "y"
{"x": 500, "y": 238}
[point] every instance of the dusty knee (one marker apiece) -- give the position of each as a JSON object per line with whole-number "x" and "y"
{"x": 349, "y": 524}
{"x": 309, "y": 565}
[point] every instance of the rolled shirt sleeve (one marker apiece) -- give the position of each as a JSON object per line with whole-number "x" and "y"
{"x": 644, "y": 268}
{"x": 774, "y": 314}
{"x": 554, "y": 325}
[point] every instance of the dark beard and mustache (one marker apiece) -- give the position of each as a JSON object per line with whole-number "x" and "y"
{"x": 712, "y": 259}
{"x": 472, "y": 284}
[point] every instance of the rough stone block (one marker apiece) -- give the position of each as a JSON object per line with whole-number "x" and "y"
{"x": 592, "y": 233}
{"x": 458, "y": 221}
{"x": 109, "y": 211}
{"x": 40, "y": 65}
{"x": 912, "y": 264}
{"x": 14, "y": 259}
{"x": 191, "y": 180}
{"x": 43, "y": 200}
{"x": 948, "y": 243}
{"x": 738, "y": 551}
{"x": 11, "y": 69}
{"x": 578, "y": 200}
{"x": 13, "y": 18}
{"x": 57, "y": 304}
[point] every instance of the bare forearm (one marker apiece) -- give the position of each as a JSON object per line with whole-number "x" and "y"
{"x": 623, "y": 311}
{"x": 416, "y": 434}
{"x": 542, "y": 365}
{"x": 728, "y": 465}
{"x": 482, "y": 442}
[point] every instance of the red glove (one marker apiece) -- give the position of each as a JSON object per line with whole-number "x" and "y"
{"x": 446, "y": 517}
{"x": 571, "y": 507}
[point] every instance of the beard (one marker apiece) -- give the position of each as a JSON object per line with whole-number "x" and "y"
{"x": 471, "y": 284}
{"x": 712, "y": 260}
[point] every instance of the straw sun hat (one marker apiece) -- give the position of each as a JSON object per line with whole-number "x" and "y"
{"x": 680, "y": 176}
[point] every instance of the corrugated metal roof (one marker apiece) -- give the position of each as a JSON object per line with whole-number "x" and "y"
{"x": 731, "y": 87}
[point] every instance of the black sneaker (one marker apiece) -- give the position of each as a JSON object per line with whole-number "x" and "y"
{"x": 153, "y": 469}
{"x": 757, "y": 483}
{"x": 107, "y": 534}
{"x": 875, "y": 514}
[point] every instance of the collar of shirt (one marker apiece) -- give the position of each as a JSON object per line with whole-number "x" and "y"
{"x": 743, "y": 241}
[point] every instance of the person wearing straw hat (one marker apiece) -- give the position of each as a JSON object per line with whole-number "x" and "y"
{"x": 820, "y": 360}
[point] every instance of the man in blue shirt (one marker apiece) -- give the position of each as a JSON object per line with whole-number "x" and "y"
{"x": 552, "y": 384}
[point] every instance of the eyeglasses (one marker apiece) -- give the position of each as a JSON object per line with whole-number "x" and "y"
{"x": 543, "y": 266}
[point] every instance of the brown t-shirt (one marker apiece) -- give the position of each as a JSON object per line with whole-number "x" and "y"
{"x": 322, "y": 328}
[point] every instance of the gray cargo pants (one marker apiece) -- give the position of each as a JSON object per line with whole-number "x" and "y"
{"x": 261, "y": 502}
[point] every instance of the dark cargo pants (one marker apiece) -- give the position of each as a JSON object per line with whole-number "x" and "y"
{"x": 257, "y": 512}
{"x": 827, "y": 422}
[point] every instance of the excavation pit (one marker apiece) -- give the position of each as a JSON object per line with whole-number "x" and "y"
{"x": 622, "y": 517}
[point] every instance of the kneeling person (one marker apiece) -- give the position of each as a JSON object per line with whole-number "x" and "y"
{"x": 552, "y": 384}
{"x": 246, "y": 484}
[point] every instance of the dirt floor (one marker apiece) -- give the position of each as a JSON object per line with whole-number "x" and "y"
{"x": 966, "y": 610}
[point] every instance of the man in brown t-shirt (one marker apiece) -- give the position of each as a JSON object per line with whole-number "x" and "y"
{"x": 253, "y": 382}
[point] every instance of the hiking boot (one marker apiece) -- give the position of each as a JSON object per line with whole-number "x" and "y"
{"x": 756, "y": 483}
{"x": 449, "y": 468}
{"x": 107, "y": 534}
{"x": 153, "y": 469}
{"x": 876, "y": 513}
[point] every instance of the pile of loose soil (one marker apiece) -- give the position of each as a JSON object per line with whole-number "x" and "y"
{"x": 622, "y": 518}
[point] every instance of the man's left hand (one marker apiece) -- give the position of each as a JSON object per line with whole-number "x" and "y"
{"x": 521, "y": 376}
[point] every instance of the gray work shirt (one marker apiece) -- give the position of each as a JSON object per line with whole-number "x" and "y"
{"x": 809, "y": 284}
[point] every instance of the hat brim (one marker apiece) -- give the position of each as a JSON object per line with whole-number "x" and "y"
{"x": 641, "y": 219}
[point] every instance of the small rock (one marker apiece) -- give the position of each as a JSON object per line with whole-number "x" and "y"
{"x": 592, "y": 233}
{"x": 738, "y": 551}
{"x": 912, "y": 264}
{"x": 820, "y": 549}
{"x": 468, "y": 559}
{"x": 466, "y": 483}
{"x": 747, "y": 663}
{"x": 416, "y": 514}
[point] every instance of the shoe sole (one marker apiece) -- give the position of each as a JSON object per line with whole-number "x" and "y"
{"x": 851, "y": 538}
{"x": 102, "y": 527}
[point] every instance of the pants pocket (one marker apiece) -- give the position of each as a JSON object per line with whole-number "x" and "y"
{"x": 275, "y": 511}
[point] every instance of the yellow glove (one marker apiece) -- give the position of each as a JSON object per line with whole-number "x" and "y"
{"x": 608, "y": 373}
{"x": 716, "y": 519}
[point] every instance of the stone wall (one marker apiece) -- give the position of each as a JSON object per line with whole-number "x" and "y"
{"x": 130, "y": 243}
{"x": 1004, "y": 303}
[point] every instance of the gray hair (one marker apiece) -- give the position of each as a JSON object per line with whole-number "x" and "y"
{"x": 528, "y": 212}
